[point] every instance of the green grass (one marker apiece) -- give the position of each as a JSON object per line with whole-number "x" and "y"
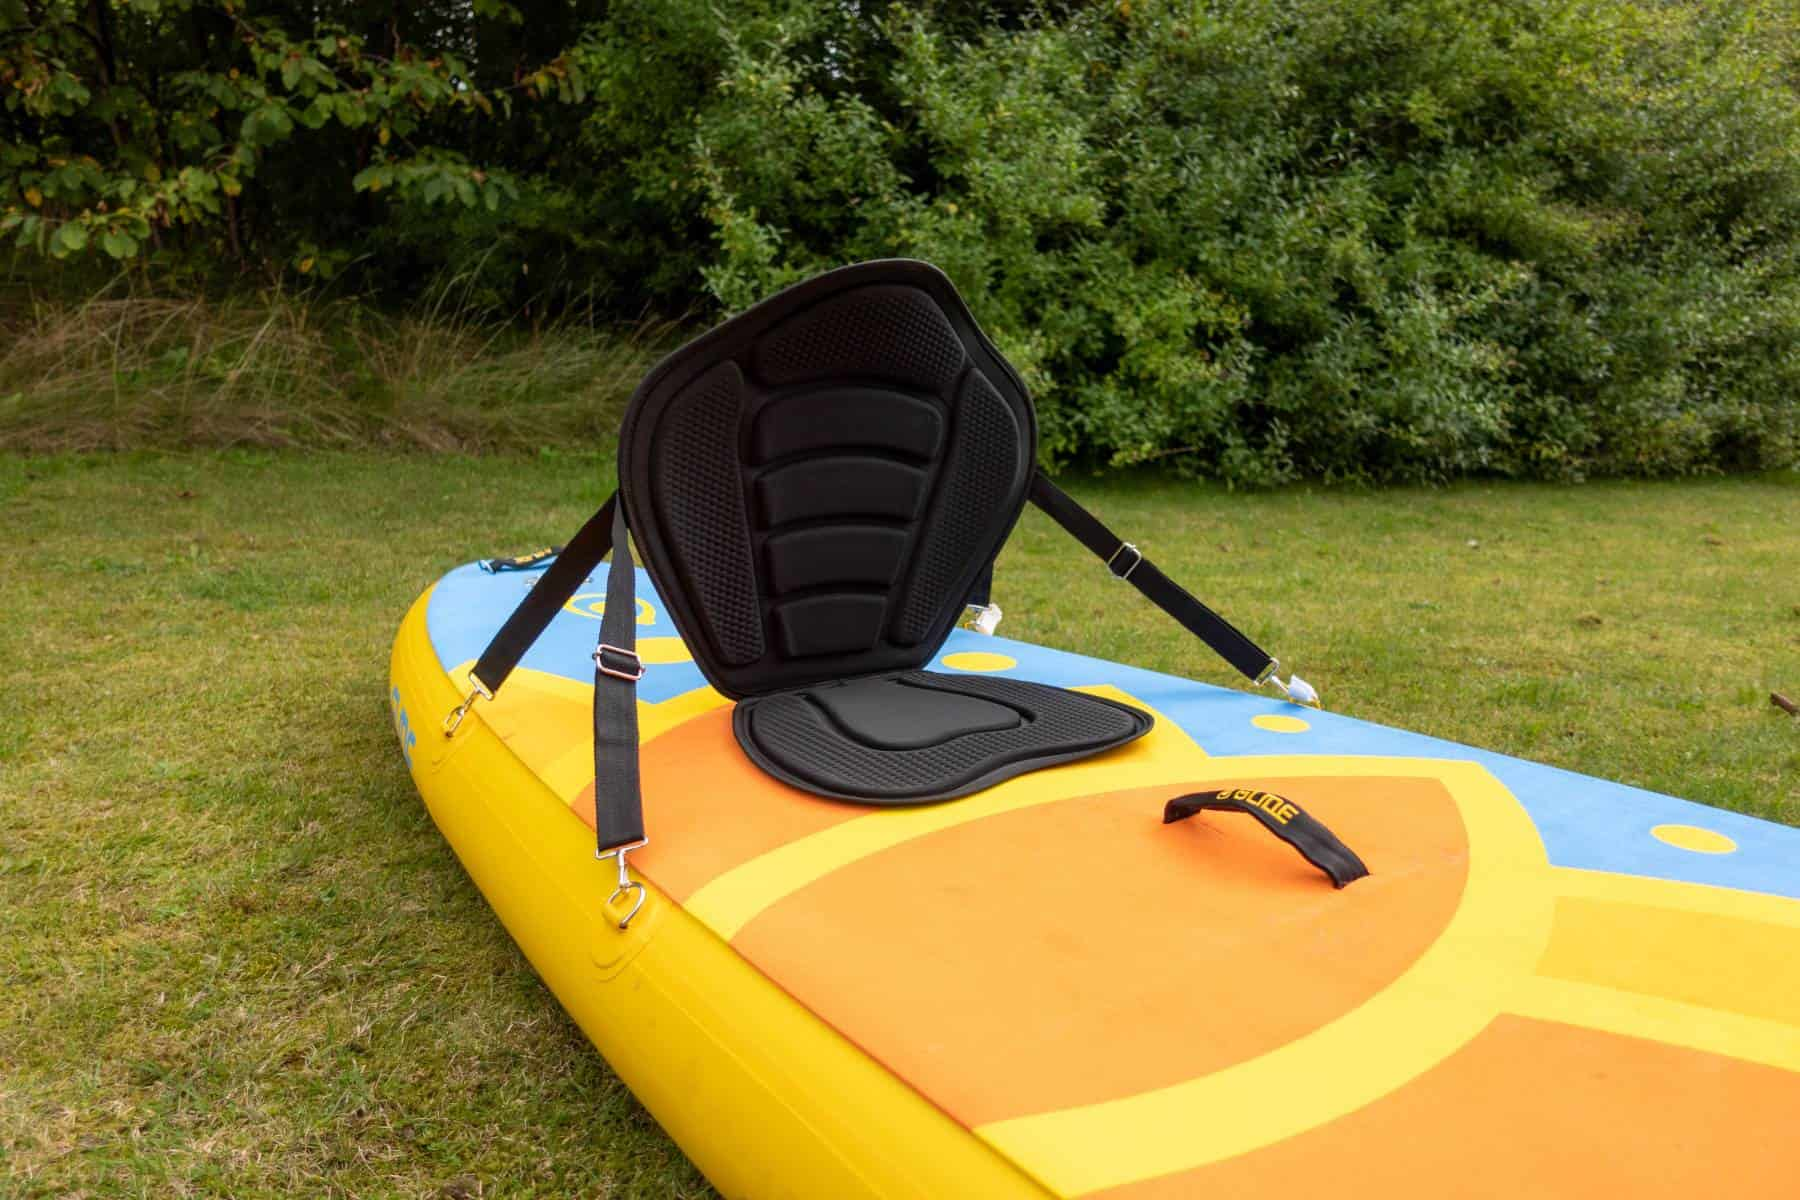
{"x": 238, "y": 959}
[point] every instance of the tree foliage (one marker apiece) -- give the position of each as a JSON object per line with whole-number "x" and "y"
{"x": 263, "y": 133}
{"x": 1258, "y": 240}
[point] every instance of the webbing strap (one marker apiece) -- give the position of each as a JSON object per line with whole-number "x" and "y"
{"x": 618, "y": 800}
{"x": 983, "y": 592}
{"x": 564, "y": 577}
{"x": 618, "y": 797}
{"x": 1125, "y": 562}
{"x": 1282, "y": 817}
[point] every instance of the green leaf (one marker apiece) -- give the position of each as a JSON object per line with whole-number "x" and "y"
{"x": 373, "y": 179}
{"x": 318, "y": 112}
{"x": 31, "y": 229}
{"x": 267, "y": 124}
{"x": 69, "y": 239}
{"x": 119, "y": 245}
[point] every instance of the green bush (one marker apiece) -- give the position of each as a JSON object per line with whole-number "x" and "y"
{"x": 1344, "y": 238}
{"x": 251, "y": 139}
{"x": 1257, "y": 240}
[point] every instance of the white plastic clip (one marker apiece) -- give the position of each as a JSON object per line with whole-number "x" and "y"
{"x": 1296, "y": 690}
{"x": 982, "y": 618}
{"x": 1301, "y": 692}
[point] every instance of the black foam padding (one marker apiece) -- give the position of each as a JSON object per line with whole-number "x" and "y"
{"x": 922, "y": 736}
{"x": 816, "y": 484}
{"x": 868, "y": 555}
{"x": 835, "y": 623}
{"x": 698, "y": 491}
{"x": 839, "y": 487}
{"x": 836, "y": 420}
{"x": 887, "y": 716}
{"x": 882, "y": 330}
{"x": 976, "y": 475}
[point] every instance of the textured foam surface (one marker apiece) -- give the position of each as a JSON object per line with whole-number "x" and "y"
{"x": 977, "y": 473}
{"x": 697, "y": 489}
{"x": 881, "y": 331}
{"x": 923, "y": 736}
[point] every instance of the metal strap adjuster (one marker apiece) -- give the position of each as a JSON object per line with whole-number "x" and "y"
{"x": 630, "y": 673}
{"x": 1126, "y": 573}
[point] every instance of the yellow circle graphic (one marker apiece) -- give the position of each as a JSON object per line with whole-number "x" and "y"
{"x": 1692, "y": 837}
{"x": 979, "y": 660}
{"x": 593, "y": 604}
{"x": 1276, "y": 723}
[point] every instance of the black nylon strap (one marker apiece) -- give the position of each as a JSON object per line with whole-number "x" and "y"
{"x": 1125, "y": 562}
{"x": 983, "y": 591}
{"x": 618, "y": 800}
{"x": 1282, "y": 817}
{"x": 585, "y": 551}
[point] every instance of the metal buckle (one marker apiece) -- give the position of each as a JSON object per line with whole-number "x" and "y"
{"x": 1126, "y": 573}
{"x": 626, "y": 882}
{"x": 477, "y": 690}
{"x": 636, "y": 662}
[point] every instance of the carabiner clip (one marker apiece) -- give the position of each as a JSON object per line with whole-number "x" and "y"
{"x": 626, "y": 882}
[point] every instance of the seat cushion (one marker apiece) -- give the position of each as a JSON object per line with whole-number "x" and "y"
{"x": 919, "y": 736}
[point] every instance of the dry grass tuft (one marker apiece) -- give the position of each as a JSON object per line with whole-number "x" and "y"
{"x": 121, "y": 371}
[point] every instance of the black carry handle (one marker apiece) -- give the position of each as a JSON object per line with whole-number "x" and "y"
{"x": 1283, "y": 818}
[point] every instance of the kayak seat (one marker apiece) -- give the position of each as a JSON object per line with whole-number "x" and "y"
{"x": 924, "y": 735}
{"x": 818, "y": 489}
{"x": 817, "y": 486}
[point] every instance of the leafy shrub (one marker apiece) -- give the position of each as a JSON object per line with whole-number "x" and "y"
{"x": 269, "y": 135}
{"x": 1364, "y": 239}
{"x": 1393, "y": 239}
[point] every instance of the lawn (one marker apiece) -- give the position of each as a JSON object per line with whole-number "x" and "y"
{"x": 238, "y": 960}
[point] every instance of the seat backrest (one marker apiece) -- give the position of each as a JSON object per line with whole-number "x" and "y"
{"x": 816, "y": 484}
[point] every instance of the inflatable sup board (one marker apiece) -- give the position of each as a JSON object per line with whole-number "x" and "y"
{"x": 900, "y": 910}
{"x": 1548, "y": 985}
